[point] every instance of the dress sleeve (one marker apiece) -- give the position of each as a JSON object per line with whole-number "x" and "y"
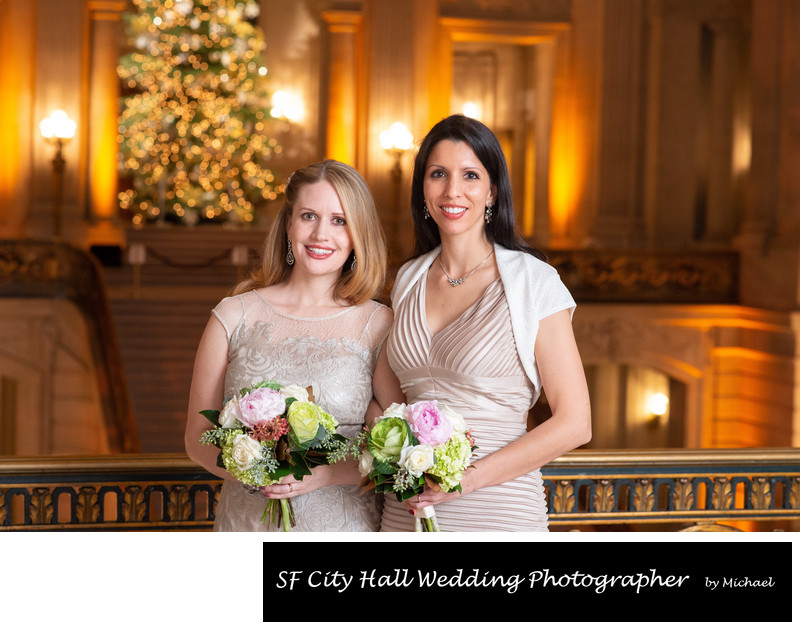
{"x": 377, "y": 329}
{"x": 230, "y": 312}
{"x": 554, "y": 296}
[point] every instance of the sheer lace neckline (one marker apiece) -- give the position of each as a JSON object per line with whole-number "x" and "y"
{"x": 301, "y": 318}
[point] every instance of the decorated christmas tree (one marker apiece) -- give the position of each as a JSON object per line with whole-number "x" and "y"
{"x": 195, "y": 141}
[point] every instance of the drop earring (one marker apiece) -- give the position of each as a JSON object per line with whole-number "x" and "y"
{"x": 353, "y": 266}
{"x": 425, "y": 214}
{"x": 487, "y": 213}
{"x": 289, "y": 253}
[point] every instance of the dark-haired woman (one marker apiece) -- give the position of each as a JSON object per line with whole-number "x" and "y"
{"x": 306, "y": 317}
{"x": 483, "y": 324}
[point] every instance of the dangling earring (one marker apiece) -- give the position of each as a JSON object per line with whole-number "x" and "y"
{"x": 487, "y": 213}
{"x": 289, "y": 253}
{"x": 353, "y": 266}
{"x": 425, "y": 214}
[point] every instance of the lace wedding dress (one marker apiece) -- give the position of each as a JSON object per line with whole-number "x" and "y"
{"x": 336, "y": 355}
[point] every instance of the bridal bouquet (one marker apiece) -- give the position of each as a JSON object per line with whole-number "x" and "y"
{"x": 413, "y": 445}
{"x": 269, "y": 431}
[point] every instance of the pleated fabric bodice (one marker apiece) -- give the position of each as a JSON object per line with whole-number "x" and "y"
{"x": 473, "y": 366}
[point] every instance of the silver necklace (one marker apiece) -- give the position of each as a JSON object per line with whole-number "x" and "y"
{"x": 454, "y": 282}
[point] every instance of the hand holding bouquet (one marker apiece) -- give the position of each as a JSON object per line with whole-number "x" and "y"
{"x": 269, "y": 431}
{"x": 411, "y": 446}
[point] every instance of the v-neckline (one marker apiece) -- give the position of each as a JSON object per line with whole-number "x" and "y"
{"x": 424, "y": 306}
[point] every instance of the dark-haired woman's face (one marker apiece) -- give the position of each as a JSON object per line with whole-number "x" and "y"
{"x": 457, "y": 189}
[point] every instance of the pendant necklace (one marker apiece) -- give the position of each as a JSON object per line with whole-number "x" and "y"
{"x": 454, "y": 282}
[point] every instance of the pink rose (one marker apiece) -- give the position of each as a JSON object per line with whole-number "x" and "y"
{"x": 260, "y": 405}
{"x": 428, "y": 423}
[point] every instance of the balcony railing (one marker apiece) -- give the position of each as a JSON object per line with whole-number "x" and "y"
{"x": 586, "y": 489}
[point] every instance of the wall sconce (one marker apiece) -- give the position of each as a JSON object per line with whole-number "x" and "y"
{"x": 657, "y": 406}
{"x": 57, "y": 129}
{"x": 397, "y": 139}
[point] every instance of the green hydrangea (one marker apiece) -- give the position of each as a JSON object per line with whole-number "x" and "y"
{"x": 452, "y": 458}
{"x": 328, "y": 421}
{"x": 258, "y": 474}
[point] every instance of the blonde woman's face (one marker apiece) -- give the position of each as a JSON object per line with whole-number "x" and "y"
{"x": 318, "y": 230}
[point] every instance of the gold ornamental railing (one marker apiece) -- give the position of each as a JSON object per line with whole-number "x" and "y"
{"x": 586, "y": 490}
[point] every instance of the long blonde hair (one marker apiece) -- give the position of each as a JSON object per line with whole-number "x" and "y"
{"x": 369, "y": 244}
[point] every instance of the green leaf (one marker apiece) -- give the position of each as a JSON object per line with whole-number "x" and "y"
{"x": 300, "y": 469}
{"x": 212, "y": 415}
{"x": 406, "y": 494}
{"x": 385, "y": 468}
{"x": 296, "y": 445}
{"x": 271, "y": 384}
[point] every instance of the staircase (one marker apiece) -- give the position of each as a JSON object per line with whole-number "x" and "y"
{"x": 159, "y": 312}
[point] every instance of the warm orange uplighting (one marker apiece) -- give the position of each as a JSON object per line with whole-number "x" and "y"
{"x": 567, "y": 178}
{"x": 565, "y": 183}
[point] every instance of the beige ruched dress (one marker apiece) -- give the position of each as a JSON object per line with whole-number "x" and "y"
{"x": 486, "y": 383}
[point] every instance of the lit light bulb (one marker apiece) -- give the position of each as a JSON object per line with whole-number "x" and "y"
{"x": 58, "y": 125}
{"x": 397, "y": 137}
{"x": 657, "y": 404}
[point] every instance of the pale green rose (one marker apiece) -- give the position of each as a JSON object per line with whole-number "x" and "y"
{"x": 304, "y": 419}
{"x": 388, "y": 438}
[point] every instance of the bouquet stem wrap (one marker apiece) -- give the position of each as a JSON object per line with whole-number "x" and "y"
{"x": 425, "y": 520}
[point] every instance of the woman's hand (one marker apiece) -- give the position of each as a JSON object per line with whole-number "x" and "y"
{"x": 289, "y": 487}
{"x": 341, "y": 473}
{"x": 431, "y": 497}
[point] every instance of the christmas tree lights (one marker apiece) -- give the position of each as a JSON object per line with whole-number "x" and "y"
{"x": 194, "y": 133}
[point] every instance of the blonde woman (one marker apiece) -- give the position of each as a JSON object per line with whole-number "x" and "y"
{"x": 305, "y": 317}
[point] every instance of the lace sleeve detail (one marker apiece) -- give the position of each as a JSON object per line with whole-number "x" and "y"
{"x": 377, "y": 328}
{"x": 230, "y": 312}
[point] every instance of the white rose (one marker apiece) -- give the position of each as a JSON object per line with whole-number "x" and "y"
{"x": 227, "y": 417}
{"x": 295, "y": 391}
{"x": 365, "y": 463}
{"x": 396, "y": 410}
{"x": 416, "y": 459}
{"x": 245, "y": 451}
{"x": 456, "y": 419}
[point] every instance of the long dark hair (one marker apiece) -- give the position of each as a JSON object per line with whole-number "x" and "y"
{"x": 502, "y": 228}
